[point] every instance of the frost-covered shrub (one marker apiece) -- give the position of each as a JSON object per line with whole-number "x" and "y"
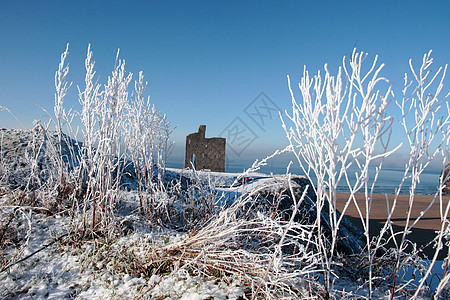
{"x": 125, "y": 141}
{"x": 343, "y": 122}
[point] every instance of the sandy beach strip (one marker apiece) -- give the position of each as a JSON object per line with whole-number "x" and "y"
{"x": 422, "y": 233}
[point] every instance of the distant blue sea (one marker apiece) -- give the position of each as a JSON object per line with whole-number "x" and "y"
{"x": 388, "y": 180}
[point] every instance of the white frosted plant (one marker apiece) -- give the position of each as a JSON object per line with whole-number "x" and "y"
{"x": 108, "y": 152}
{"x": 147, "y": 136}
{"x": 65, "y": 150}
{"x": 426, "y": 126}
{"x": 51, "y": 153}
{"x": 336, "y": 114}
{"x": 116, "y": 129}
{"x": 342, "y": 124}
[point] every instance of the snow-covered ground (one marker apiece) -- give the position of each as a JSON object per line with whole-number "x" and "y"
{"x": 59, "y": 272}
{"x": 55, "y": 270}
{"x": 45, "y": 269}
{"x": 63, "y": 272}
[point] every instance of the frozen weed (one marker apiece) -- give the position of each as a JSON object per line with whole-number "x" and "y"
{"x": 342, "y": 122}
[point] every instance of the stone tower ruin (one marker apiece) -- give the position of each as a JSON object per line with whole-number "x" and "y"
{"x": 205, "y": 153}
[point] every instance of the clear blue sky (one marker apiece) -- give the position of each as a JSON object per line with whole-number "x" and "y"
{"x": 206, "y": 61}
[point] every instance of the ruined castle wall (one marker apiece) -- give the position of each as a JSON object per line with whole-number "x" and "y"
{"x": 205, "y": 153}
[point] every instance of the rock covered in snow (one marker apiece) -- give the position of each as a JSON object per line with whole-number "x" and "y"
{"x": 22, "y": 149}
{"x": 281, "y": 201}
